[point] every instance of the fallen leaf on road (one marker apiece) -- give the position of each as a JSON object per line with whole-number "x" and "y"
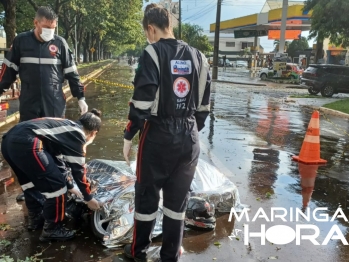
{"x": 4, "y": 227}
{"x": 5, "y": 243}
{"x": 217, "y": 243}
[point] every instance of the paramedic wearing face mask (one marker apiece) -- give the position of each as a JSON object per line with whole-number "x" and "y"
{"x": 43, "y": 61}
{"x": 169, "y": 106}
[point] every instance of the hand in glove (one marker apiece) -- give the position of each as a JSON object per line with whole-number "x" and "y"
{"x": 76, "y": 192}
{"x": 83, "y": 106}
{"x": 93, "y": 204}
{"x": 127, "y": 149}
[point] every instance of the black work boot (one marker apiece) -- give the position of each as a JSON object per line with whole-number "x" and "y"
{"x": 55, "y": 232}
{"x": 128, "y": 253}
{"x": 20, "y": 197}
{"x": 35, "y": 220}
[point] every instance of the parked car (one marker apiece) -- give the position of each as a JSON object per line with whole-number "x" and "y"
{"x": 292, "y": 70}
{"x": 241, "y": 63}
{"x": 327, "y": 79}
{"x": 228, "y": 63}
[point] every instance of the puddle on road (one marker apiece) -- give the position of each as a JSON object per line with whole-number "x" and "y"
{"x": 113, "y": 102}
{"x": 252, "y": 136}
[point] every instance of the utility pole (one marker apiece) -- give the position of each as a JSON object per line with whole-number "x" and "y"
{"x": 180, "y": 21}
{"x": 283, "y": 27}
{"x": 216, "y": 41}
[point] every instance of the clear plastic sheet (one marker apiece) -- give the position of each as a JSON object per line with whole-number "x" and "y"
{"x": 112, "y": 183}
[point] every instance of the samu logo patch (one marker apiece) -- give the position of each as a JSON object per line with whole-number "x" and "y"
{"x": 181, "y": 87}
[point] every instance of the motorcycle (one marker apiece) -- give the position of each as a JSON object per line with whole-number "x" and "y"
{"x": 112, "y": 184}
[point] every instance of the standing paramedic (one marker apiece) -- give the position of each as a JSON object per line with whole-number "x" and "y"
{"x": 169, "y": 106}
{"x": 43, "y": 61}
{"x": 32, "y": 147}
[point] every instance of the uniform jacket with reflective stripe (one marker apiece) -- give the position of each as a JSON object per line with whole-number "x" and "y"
{"x": 172, "y": 81}
{"x": 63, "y": 139}
{"x": 42, "y": 68}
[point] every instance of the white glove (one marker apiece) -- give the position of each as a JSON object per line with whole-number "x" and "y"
{"x": 83, "y": 106}
{"x": 127, "y": 149}
{"x": 76, "y": 192}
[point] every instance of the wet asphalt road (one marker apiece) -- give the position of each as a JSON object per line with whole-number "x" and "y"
{"x": 250, "y": 135}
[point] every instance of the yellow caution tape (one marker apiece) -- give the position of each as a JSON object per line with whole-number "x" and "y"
{"x": 96, "y": 80}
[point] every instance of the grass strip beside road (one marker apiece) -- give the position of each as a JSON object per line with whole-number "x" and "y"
{"x": 341, "y": 105}
{"x": 307, "y": 96}
{"x": 82, "y": 65}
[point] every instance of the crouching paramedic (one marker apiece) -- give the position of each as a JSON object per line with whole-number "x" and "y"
{"x": 169, "y": 106}
{"x": 34, "y": 150}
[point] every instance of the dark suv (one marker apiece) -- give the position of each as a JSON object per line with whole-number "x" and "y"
{"x": 327, "y": 79}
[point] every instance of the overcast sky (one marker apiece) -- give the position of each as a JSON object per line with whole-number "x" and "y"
{"x": 203, "y": 13}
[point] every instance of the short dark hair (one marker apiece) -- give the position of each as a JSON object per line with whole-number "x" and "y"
{"x": 91, "y": 120}
{"x": 47, "y": 13}
{"x": 156, "y": 15}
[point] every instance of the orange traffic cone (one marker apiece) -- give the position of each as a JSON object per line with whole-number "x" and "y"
{"x": 310, "y": 151}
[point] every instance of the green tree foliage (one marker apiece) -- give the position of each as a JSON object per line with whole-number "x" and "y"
{"x": 106, "y": 26}
{"x": 9, "y": 21}
{"x": 277, "y": 44}
{"x": 193, "y": 35}
{"x": 329, "y": 20}
{"x": 297, "y": 45}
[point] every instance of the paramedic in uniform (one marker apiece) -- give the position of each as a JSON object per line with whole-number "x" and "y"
{"x": 31, "y": 148}
{"x": 169, "y": 107}
{"x": 43, "y": 61}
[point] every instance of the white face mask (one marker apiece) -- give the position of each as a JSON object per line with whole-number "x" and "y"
{"x": 47, "y": 34}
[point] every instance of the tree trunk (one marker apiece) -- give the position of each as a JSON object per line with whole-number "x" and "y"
{"x": 319, "y": 49}
{"x": 10, "y": 20}
{"x": 90, "y": 56}
{"x": 80, "y": 32}
{"x": 86, "y": 45}
{"x": 95, "y": 56}
{"x": 85, "y": 54}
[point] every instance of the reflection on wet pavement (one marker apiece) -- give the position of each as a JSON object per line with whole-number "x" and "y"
{"x": 250, "y": 135}
{"x": 253, "y": 133}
